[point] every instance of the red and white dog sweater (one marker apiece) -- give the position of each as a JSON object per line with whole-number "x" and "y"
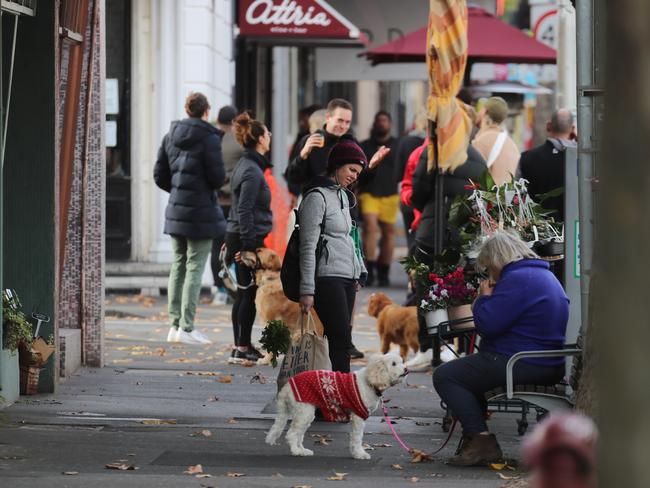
{"x": 335, "y": 393}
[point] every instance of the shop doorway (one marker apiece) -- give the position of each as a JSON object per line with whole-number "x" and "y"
{"x": 118, "y": 129}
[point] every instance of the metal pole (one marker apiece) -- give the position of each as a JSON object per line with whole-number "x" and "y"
{"x": 11, "y": 78}
{"x": 566, "y": 55}
{"x": 280, "y": 106}
{"x": 586, "y": 146}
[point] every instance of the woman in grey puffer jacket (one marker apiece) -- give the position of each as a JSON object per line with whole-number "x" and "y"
{"x": 329, "y": 282}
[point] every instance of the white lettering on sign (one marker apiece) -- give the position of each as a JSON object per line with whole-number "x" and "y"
{"x": 287, "y": 13}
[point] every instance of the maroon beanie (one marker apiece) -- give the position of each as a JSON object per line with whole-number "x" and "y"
{"x": 346, "y": 151}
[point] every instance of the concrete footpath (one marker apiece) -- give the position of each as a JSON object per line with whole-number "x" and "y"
{"x": 162, "y": 408}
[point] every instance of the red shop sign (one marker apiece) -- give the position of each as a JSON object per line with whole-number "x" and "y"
{"x": 293, "y": 18}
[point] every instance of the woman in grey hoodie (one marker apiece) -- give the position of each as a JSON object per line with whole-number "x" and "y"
{"x": 329, "y": 281}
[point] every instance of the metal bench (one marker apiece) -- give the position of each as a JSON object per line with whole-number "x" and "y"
{"x": 520, "y": 399}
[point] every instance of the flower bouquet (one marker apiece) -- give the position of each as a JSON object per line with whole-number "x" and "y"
{"x": 491, "y": 207}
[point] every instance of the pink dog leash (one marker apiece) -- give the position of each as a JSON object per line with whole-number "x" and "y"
{"x": 401, "y": 442}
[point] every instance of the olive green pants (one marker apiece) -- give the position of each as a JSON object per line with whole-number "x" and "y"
{"x": 190, "y": 256}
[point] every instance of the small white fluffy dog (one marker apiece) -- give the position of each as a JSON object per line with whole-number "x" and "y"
{"x": 357, "y": 396}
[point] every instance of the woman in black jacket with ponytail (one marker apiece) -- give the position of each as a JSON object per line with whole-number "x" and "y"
{"x": 249, "y": 221}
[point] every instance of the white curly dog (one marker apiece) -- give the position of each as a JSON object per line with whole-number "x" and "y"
{"x": 339, "y": 396}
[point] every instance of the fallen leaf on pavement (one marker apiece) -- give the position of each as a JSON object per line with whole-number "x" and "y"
{"x": 323, "y": 441}
{"x": 158, "y": 421}
{"x": 396, "y": 466}
{"x": 258, "y": 378}
{"x": 232, "y": 421}
{"x": 203, "y": 475}
{"x": 198, "y": 469}
{"x": 248, "y": 364}
{"x": 422, "y": 424}
{"x": 120, "y": 466}
{"x": 337, "y": 477}
{"x": 504, "y": 477}
{"x": 202, "y": 433}
{"x": 70, "y": 473}
{"x": 382, "y": 445}
{"x": 414, "y": 479}
{"x": 226, "y": 378}
{"x": 368, "y": 447}
{"x": 235, "y": 475}
{"x": 418, "y": 456}
{"x": 213, "y": 399}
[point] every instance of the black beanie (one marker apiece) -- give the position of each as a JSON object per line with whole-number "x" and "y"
{"x": 346, "y": 151}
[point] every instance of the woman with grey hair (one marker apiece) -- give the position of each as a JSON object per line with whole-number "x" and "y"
{"x": 521, "y": 307}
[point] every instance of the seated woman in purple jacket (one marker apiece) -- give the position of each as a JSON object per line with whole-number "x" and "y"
{"x": 521, "y": 307}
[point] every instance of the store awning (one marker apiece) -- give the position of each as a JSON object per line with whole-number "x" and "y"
{"x": 490, "y": 40}
{"x": 297, "y": 22}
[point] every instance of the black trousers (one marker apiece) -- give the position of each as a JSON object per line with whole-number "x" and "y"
{"x": 462, "y": 384}
{"x": 333, "y": 302}
{"x": 217, "y": 242}
{"x": 243, "y": 310}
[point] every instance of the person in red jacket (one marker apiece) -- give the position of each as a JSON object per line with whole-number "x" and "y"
{"x": 407, "y": 183}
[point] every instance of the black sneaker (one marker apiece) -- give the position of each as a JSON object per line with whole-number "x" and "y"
{"x": 254, "y": 351}
{"x": 355, "y": 353}
{"x": 238, "y": 357}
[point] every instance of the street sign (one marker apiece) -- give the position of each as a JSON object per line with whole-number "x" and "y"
{"x": 294, "y": 18}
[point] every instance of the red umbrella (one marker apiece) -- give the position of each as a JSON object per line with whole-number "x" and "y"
{"x": 490, "y": 40}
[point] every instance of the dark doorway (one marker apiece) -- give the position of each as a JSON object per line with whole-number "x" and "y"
{"x": 118, "y": 129}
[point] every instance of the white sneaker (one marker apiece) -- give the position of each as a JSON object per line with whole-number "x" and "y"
{"x": 220, "y": 298}
{"x": 446, "y": 355}
{"x": 172, "y": 335}
{"x": 198, "y": 337}
{"x": 421, "y": 361}
{"x": 186, "y": 337}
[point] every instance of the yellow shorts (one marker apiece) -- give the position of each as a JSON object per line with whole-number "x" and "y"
{"x": 386, "y": 208}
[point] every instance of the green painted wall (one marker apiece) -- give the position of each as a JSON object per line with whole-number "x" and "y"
{"x": 29, "y": 174}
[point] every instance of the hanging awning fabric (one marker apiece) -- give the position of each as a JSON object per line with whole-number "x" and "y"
{"x": 446, "y": 62}
{"x": 489, "y": 40}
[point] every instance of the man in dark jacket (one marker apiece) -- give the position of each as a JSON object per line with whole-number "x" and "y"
{"x": 543, "y": 166}
{"x": 190, "y": 168}
{"x": 379, "y": 202}
{"x": 313, "y": 150}
{"x": 423, "y": 199}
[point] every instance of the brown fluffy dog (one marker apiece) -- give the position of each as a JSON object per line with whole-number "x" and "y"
{"x": 395, "y": 324}
{"x": 270, "y": 301}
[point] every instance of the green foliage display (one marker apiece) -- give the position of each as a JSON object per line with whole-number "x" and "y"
{"x": 276, "y": 339}
{"x": 17, "y": 330}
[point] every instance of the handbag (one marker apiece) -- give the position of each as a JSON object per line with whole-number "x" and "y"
{"x": 290, "y": 272}
{"x": 309, "y": 352}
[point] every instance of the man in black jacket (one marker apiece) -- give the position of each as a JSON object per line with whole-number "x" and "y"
{"x": 190, "y": 168}
{"x": 379, "y": 202}
{"x": 423, "y": 199}
{"x": 313, "y": 150}
{"x": 543, "y": 166}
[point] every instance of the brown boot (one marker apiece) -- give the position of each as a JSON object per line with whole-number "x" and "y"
{"x": 477, "y": 449}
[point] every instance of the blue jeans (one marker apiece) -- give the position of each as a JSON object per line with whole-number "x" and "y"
{"x": 462, "y": 384}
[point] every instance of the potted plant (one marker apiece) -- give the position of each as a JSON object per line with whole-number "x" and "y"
{"x": 434, "y": 303}
{"x": 462, "y": 288}
{"x": 17, "y": 331}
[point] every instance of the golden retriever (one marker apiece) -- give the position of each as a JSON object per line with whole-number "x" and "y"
{"x": 395, "y": 324}
{"x": 270, "y": 301}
